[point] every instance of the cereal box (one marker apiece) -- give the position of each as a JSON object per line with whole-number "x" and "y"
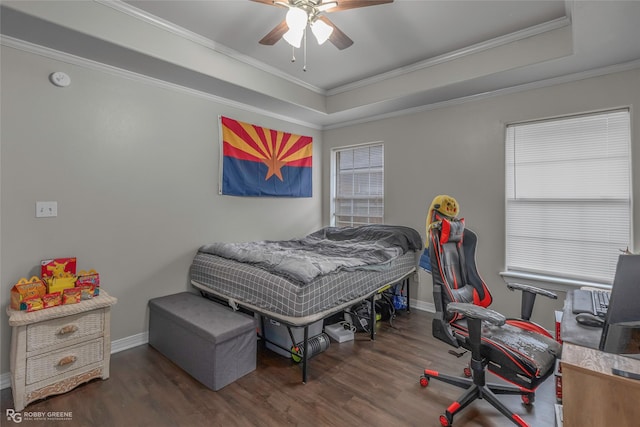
{"x": 58, "y": 267}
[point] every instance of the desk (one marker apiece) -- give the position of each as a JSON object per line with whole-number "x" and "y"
{"x": 591, "y": 395}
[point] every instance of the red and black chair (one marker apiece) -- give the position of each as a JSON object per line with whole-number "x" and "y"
{"x": 517, "y": 350}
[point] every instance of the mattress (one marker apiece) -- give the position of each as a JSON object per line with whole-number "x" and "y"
{"x": 289, "y": 301}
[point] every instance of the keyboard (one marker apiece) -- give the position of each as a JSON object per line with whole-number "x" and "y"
{"x": 595, "y": 302}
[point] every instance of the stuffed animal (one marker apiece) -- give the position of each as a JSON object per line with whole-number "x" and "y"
{"x": 446, "y": 205}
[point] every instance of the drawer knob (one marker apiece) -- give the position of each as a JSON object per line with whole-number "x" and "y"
{"x": 67, "y": 329}
{"x": 67, "y": 360}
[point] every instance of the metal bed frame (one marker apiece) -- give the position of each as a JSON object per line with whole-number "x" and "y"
{"x": 209, "y": 293}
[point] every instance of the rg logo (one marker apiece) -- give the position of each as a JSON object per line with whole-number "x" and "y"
{"x": 14, "y": 416}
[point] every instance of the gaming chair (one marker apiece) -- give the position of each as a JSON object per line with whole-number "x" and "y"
{"x": 517, "y": 350}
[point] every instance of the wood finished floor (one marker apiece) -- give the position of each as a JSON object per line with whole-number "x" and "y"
{"x": 357, "y": 383}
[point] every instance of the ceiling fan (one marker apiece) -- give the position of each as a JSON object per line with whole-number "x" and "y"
{"x": 311, "y": 12}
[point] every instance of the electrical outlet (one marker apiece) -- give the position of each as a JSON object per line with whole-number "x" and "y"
{"x": 46, "y": 209}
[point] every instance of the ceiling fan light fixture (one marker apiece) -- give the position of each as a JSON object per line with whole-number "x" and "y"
{"x": 321, "y": 30}
{"x": 303, "y": 13}
{"x": 296, "y": 19}
{"x": 294, "y": 37}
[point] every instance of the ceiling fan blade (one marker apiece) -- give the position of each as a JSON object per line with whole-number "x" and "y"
{"x": 276, "y": 34}
{"x": 353, "y": 4}
{"x": 337, "y": 37}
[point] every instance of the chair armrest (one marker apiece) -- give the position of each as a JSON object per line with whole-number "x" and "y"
{"x": 476, "y": 312}
{"x": 532, "y": 289}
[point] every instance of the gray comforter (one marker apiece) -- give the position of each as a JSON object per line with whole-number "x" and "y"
{"x": 327, "y": 250}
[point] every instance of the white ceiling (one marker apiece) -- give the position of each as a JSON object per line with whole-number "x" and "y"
{"x": 406, "y": 55}
{"x": 385, "y": 37}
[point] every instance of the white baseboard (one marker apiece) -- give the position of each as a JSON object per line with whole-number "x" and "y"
{"x": 423, "y": 306}
{"x": 143, "y": 338}
{"x": 5, "y": 380}
{"x": 129, "y": 342}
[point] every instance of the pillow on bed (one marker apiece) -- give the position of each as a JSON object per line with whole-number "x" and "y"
{"x": 451, "y": 230}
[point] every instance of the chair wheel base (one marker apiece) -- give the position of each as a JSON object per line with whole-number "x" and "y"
{"x": 424, "y": 381}
{"x": 476, "y": 388}
{"x": 444, "y": 421}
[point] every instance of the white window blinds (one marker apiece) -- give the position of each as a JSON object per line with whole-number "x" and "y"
{"x": 358, "y": 197}
{"x": 568, "y": 196}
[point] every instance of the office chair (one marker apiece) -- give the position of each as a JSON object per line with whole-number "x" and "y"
{"x": 517, "y": 350}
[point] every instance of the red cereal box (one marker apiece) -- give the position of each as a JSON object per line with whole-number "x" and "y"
{"x": 58, "y": 267}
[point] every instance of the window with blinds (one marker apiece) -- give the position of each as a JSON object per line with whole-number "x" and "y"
{"x": 358, "y": 187}
{"x": 568, "y": 196}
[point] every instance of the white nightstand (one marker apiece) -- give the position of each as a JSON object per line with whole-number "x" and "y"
{"x": 56, "y": 349}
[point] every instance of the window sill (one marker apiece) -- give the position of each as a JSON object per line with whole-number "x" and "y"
{"x": 549, "y": 282}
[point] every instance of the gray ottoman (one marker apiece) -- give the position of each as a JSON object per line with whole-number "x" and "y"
{"x": 211, "y": 342}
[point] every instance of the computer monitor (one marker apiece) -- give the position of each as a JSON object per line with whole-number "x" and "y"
{"x": 621, "y": 331}
{"x": 624, "y": 339}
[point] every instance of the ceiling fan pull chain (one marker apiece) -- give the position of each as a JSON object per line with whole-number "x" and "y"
{"x": 304, "y": 67}
{"x": 293, "y": 54}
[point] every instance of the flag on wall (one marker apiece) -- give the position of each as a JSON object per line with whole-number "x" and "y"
{"x": 264, "y": 162}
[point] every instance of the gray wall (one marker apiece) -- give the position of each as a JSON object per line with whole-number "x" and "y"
{"x": 459, "y": 150}
{"x": 134, "y": 169}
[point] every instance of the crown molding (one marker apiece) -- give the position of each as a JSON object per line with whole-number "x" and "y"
{"x": 119, "y": 72}
{"x": 97, "y": 66}
{"x": 450, "y": 56}
{"x": 141, "y": 15}
{"x": 618, "y": 68}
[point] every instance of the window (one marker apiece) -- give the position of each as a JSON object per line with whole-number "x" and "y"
{"x": 568, "y": 196}
{"x": 358, "y": 186}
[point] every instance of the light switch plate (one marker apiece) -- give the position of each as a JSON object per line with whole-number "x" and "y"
{"x": 46, "y": 209}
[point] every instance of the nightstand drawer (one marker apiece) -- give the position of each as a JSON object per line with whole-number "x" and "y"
{"x": 58, "y": 362}
{"x": 53, "y": 332}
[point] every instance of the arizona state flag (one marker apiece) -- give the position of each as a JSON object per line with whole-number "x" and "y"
{"x": 264, "y": 162}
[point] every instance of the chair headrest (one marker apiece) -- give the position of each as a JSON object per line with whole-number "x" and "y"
{"x": 451, "y": 230}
